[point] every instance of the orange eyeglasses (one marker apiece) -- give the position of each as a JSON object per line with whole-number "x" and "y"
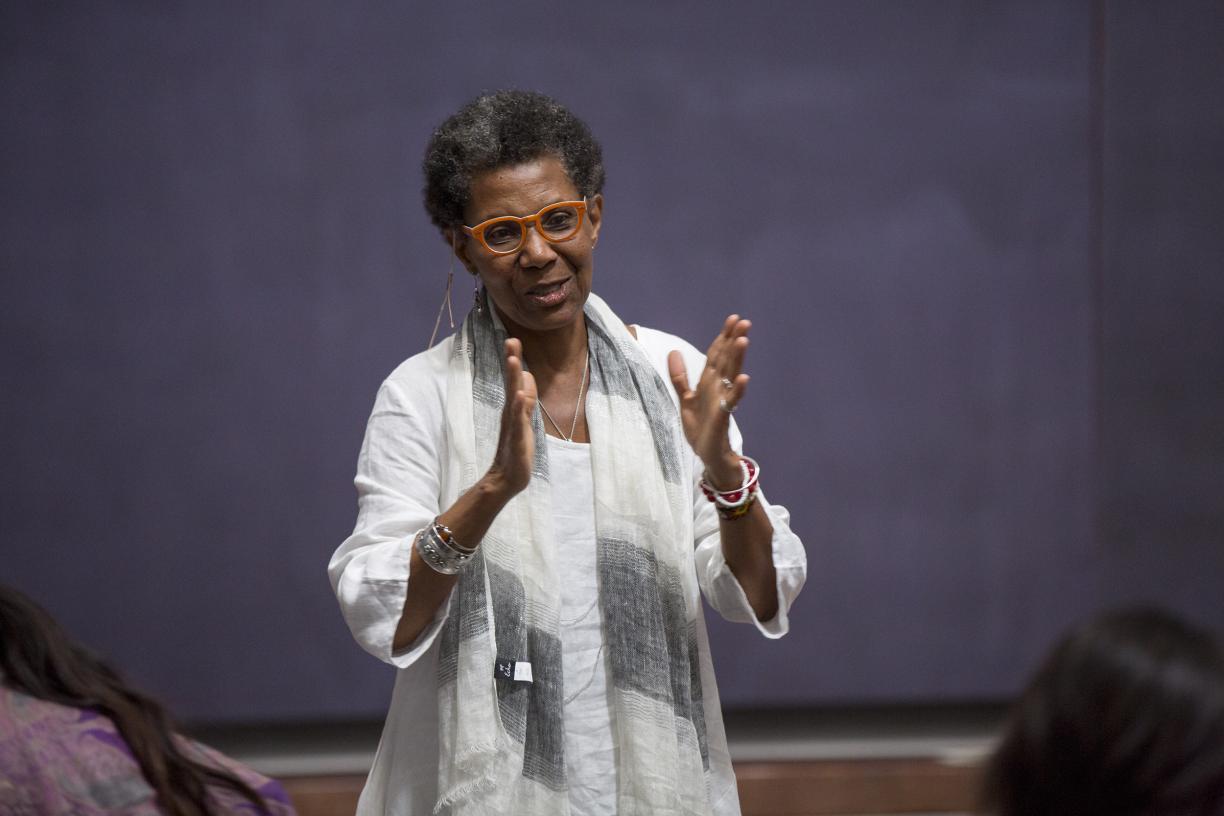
{"x": 506, "y": 234}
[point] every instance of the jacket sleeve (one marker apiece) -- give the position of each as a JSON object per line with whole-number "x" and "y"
{"x": 398, "y": 492}
{"x": 719, "y": 585}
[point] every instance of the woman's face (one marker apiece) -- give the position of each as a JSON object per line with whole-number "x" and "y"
{"x": 543, "y": 286}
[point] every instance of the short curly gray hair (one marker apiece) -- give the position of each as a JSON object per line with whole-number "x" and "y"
{"x": 497, "y": 130}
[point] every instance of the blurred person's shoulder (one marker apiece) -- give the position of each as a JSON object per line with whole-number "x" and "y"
{"x": 59, "y": 759}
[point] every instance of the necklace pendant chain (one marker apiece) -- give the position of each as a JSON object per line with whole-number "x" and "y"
{"x": 586, "y": 366}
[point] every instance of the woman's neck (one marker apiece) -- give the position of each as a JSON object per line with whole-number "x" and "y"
{"x": 558, "y": 352}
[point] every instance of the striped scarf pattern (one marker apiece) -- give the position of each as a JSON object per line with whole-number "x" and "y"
{"x": 502, "y": 742}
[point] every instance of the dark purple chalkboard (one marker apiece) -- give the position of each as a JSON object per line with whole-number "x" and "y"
{"x": 979, "y": 242}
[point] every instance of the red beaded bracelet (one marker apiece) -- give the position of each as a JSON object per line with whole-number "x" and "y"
{"x": 733, "y": 504}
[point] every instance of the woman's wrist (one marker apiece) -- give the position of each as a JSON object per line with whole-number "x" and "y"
{"x": 725, "y": 473}
{"x": 495, "y": 487}
{"x": 736, "y": 502}
{"x": 440, "y": 550}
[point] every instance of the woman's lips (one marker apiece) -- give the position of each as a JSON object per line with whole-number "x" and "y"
{"x": 549, "y": 294}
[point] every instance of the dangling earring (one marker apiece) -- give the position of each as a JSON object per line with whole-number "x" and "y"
{"x": 476, "y": 294}
{"x": 446, "y": 300}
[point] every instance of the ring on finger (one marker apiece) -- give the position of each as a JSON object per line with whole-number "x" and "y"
{"x": 727, "y": 384}
{"x": 729, "y": 407}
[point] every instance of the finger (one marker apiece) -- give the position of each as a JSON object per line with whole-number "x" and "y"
{"x": 514, "y": 374}
{"x": 520, "y": 406}
{"x": 528, "y": 388}
{"x": 678, "y": 373}
{"x": 729, "y": 364}
{"x": 514, "y": 346}
{"x": 717, "y": 350}
{"x": 728, "y": 345}
{"x": 513, "y": 350}
{"x": 724, "y": 333}
{"x": 733, "y": 360}
{"x": 730, "y": 398}
{"x": 739, "y": 388}
{"x": 525, "y": 399}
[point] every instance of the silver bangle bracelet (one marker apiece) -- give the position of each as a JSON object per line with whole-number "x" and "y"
{"x": 440, "y": 551}
{"x": 448, "y": 538}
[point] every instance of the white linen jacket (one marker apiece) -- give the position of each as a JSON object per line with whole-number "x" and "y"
{"x": 402, "y": 487}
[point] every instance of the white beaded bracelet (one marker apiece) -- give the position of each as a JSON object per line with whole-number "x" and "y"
{"x": 731, "y": 499}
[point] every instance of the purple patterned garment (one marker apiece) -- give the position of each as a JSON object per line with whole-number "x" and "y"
{"x": 58, "y": 760}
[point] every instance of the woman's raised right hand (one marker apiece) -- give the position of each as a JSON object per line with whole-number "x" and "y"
{"x": 511, "y": 468}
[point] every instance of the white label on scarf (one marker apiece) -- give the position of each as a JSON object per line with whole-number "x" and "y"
{"x": 518, "y": 671}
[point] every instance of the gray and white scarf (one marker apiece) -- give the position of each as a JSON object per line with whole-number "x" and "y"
{"x": 502, "y": 741}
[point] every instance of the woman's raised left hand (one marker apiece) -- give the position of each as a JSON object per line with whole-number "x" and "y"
{"x": 705, "y": 408}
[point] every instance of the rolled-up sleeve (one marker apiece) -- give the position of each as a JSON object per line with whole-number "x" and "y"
{"x": 720, "y": 586}
{"x": 723, "y": 591}
{"x": 397, "y": 495}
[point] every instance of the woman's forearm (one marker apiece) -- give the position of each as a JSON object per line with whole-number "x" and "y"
{"x": 747, "y": 542}
{"x": 469, "y": 518}
{"x": 747, "y": 545}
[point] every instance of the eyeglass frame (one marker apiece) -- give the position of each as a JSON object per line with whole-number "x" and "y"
{"x": 477, "y": 231}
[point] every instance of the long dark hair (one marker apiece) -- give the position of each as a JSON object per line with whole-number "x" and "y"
{"x": 1125, "y": 717}
{"x": 38, "y": 658}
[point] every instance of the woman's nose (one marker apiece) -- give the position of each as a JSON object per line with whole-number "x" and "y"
{"x": 535, "y": 251}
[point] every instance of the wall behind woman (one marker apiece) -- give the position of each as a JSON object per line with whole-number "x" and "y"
{"x": 977, "y": 242}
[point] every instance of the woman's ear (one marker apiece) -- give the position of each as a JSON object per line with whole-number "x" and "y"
{"x": 459, "y": 247}
{"x": 595, "y": 216}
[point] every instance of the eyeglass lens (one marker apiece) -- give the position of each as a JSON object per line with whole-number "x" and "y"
{"x": 556, "y": 223}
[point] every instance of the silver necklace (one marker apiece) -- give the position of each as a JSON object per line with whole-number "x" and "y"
{"x": 586, "y": 366}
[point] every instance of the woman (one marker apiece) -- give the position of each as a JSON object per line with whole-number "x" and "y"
{"x": 75, "y": 739}
{"x": 1126, "y": 718}
{"x": 535, "y": 575}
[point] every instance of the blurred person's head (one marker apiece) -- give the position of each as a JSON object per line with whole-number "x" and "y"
{"x": 39, "y": 659}
{"x": 1126, "y": 716}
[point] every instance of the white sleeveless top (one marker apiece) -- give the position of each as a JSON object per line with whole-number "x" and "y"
{"x": 590, "y": 748}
